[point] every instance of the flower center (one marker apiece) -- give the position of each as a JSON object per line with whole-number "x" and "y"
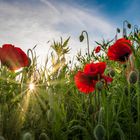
{"x": 124, "y": 57}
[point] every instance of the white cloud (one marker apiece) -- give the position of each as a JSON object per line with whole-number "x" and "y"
{"x": 27, "y": 25}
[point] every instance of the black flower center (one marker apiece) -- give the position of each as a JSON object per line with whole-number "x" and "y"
{"x": 124, "y": 57}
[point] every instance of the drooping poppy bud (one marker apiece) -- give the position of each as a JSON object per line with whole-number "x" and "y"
{"x": 43, "y": 136}
{"x": 118, "y": 30}
{"x": 81, "y": 37}
{"x": 132, "y": 77}
{"x": 129, "y": 25}
{"x": 27, "y": 136}
{"x": 99, "y": 132}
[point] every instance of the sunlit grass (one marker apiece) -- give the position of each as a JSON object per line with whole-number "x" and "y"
{"x": 46, "y": 100}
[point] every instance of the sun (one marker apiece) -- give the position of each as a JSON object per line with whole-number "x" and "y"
{"x": 31, "y": 86}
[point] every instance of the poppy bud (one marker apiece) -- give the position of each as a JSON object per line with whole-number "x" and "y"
{"x": 129, "y": 25}
{"x": 70, "y": 62}
{"x": 99, "y": 132}
{"x": 118, "y": 30}
{"x": 78, "y": 59}
{"x": 133, "y": 77}
{"x": 81, "y": 37}
{"x": 135, "y": 34}
{"x": 112, "y": 73}
{"x": 99, "y": 85}
{"x": 90, "y": 109}
{"x": 43, "y": 136}
{"x": 2, "y": 138}
{"x": 27, "y": 136}
{"x": 97, "y": 49}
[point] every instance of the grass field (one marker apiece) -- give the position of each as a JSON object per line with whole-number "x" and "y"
{"x": 66, "y": 100}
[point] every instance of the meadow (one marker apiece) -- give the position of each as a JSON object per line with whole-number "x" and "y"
{"x": 95, "y": 98}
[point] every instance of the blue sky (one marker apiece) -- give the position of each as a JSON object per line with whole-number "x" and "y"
{"x": 26, "y": 23}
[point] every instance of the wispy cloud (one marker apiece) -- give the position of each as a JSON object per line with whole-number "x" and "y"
{"x": 26, "y": 25}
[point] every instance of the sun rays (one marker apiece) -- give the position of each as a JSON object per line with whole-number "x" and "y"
{"x": 31, "y": 86}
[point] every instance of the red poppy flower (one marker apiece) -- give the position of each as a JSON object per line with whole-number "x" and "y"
{"x": 93, "y": 72}
{"x": 120, "y": 50}
{"x": 97, "y": 49}
{"x": 12, "y": 57}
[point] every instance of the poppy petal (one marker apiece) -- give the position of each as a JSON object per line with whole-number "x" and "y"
{"x": 120, "y": 50}
{"x": 107, "y": 79}
{"x": 12, "y": 57}
{"x": 23, "y": 59}
{"x": 84, "y": 83}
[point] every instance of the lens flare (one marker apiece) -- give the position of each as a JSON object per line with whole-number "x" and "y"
{"x": 31, "y": 86}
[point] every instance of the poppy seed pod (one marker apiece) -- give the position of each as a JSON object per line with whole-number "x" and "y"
{"x": 27, "y": 136}
{"x": 2, "y": 138}
{"x": 133, "y": 77}
{"x": 99, "y": 132}
{"x": 43, "y": 136}
{"x": 81, "y": 37}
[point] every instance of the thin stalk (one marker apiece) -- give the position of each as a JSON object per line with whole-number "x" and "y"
{"x": 138, "y": 104}
{"x": 130, "y": 114}
{"x": 107, "y": 119}
{"x": 99, "y": 98}
{"x": 87, "y": 41}
{"x": 124, "y": 28}
{"x": 106, "y": 109}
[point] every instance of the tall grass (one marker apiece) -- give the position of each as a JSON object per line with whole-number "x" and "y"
{"x": 54, "y": 109}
